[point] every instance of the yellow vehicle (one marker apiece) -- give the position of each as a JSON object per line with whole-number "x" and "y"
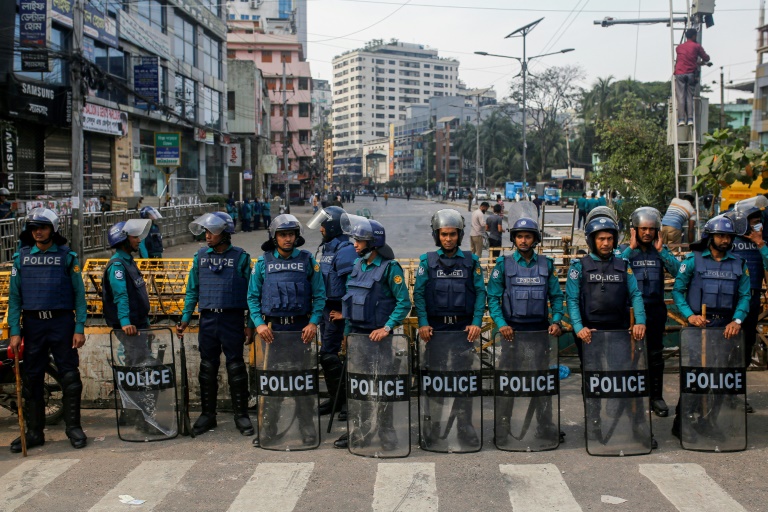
{"x": 738, "y": 191}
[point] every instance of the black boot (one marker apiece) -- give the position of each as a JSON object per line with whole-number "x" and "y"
{"x": 466, "y": 432}
{"x": 73, "y": 389}
{"x": 209, "y": 389}
{"x": 332, "y": 371}
{"x": 660, "y": 407}
{"x": 34, "y": 419}
{"x": 238, "y": 390}
{"x": 387, "y": 433}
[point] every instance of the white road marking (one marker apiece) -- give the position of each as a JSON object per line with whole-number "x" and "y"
{"x": 537, "y": 487}
{"x": 28, "y": 478}
{"x": 152, "y": 480}
{"x": 689, "y": 488}
{"x": 273, "y": 487}
{"x": 405, "y": 487}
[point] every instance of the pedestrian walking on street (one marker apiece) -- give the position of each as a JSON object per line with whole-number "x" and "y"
{"x": 386, "y": 198}
{"x": 469, "y": 205}
{"x": 493, "y": 225}
{"x": 477, "y": 229}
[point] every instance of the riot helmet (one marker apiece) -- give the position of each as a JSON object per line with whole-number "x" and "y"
{"x": 720, "y": 225}
{"x": 216, "y": 223}
{"x": 150, "y": 212}
{"x": 120, "y": 232}
{"x": 597, "y": 225}
{"x": 525, "y": 225}
{"x": 646, "y": 217}
{"x": 749, "y": 207}
{"x": 284, "y": 222}
{"x": 602, "y": 211}
{"x": 5, "y": 192}
{"x": 360, "y": 228}
{"x": 447, "y": 218}
{"x": 330, "y": 219}
{"x": 41, "y": 217}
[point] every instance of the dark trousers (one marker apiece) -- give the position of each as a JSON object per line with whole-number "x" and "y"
{"x": 42, "y": 337}
{"x": 221, "y": 332}
{"x": 331, "y": 333}
{"x": 582, "y": 218}
{"x": 656, "y": 314}
{"x": 267, "y": 221}
{"x": 749, "y": 325}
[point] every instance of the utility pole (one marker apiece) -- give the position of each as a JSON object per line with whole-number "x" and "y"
{"x": 77, "y": 128}
{"x": 722, "y": 100}
{"x": 285, "y": 142}
{"x": 568, "y": 148}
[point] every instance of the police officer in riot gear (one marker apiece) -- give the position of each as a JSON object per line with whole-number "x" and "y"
{"x": 648, "y": 259}
{"x": 536, "y": 276}
{"x": 338, "y": 257}
{"x": 714, "y": 276}
{"x": 449, "y": 295}
{"x": 46, "y": 287}
{"x": 286, "y": 293}
{"x": 218, "y": 284}
{"x": 376, "y": 284}
{"x": 598, "y": 289}
{"x": 152, "y": 246}
{"x": 752, "y": 249}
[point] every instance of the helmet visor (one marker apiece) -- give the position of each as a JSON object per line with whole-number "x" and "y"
{"x": 357, "y": 227}
{"x": 285, "y": 222}
{"x": 207, "y": 222}
{"x": 317, "y": 220}
{"x": 740, "y": 221}
{"x": 151, "y": 213}
{"x": 522, "y": 210}
{"x": 137, "y": 227}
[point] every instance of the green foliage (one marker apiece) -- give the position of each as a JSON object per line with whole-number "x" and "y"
{"x": 220, "y": 200}
{"x": 726, "y": 158}
{"x": 635, "y": 159}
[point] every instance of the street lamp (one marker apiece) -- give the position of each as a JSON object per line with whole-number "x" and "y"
{"x": 426, "y": 156}
{"x": 524, "y": 60}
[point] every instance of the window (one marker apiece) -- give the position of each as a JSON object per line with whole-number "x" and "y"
{"x": 271, "y": 84}
{"x": 185, "y": 41}
{"x": 152, "y": 12}
{"x": 186, "y": 97}
{"x": 244, "y": 17}
{"x": 211, "y": 108}
{"x": 304, "y": 109}
{"x": 304, "y": 136}
{"x": 212, "y": 5}
{"x": 59, "y": 73}
{"x": 231, "y": 54}
{"x": 266, "y": 56}
{"x": 285, "y": 57}
{"x": 230, "y": 105}
{"x": 303, "y": 83}
{"x": 211, "y": 56}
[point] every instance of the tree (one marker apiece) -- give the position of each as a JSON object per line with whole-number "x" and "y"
{"x": 635, "y": 159}
{"x": 548, "y": 96}
{"x": 726, "y": 158}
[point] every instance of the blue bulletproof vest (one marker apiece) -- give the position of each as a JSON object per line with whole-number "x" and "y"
{"x": 450, "y": 289}
{"x": 45, "y": 280}
{"x": 138, "y": 300}
{"x": 335, "y": 284}
{"x": 603, "y": 297}
{"x": 525, "y": 291}
{"x": 649, "y": 272}
{"x": 366, "y": 305}
{"x": 154, "y": 241}
{"x": 749, "y": 252}
{"x": 221, "y": 285}
{"x": 287, "y": 290}
{"x": 714, "y": 283}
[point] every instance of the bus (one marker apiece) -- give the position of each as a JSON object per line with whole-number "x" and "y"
{"x": 571, "y": 190}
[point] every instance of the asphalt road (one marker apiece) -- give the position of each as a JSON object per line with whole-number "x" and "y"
{"x": 221, "y": 470}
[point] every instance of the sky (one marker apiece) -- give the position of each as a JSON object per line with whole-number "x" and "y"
{"x": 458, "y": 28}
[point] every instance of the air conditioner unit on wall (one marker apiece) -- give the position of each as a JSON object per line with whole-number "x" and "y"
{"x": 255, "y": 4}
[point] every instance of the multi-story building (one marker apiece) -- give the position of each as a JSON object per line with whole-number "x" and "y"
{"x": 150, "y": 67}
{"x": 273, "y": 16}
{"x": 373, "y": 88}
{"x": 321, "y": 102}
{"x": 289, "y": 82}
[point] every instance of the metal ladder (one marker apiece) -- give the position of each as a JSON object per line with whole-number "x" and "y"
{"x": 685, "y": 144}
{"x": 554, "y": 232}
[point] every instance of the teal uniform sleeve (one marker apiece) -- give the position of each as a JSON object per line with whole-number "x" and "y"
{"x": 555, "y": 292}
{"x": 143, "y": 249}
{"x": 764, "y": 255}
{"x": 745, "y": 294}
{"x": 495, "y": 292}
{"x": 318, "y": 291}
{"x": 671, "y": 263}
{"x": 635, "y": 297}
{"x": 399, "y": 290}
{"x": 480, "y": 294}
{"x": 78, "y": 288}
{"x": 14, "y": 299}
{"x": 193, "y": 292}
{"x": 244, "y": 267}
{"x": 628, "y": 253}
{"x": 682, "y": 280}
{"x": 254, "y": 293}
{"x": 419, "y": 288}
{"x": 120, "y": 292}
{"x": 572, "y": 290}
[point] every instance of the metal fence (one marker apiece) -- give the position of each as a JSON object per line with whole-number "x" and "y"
{"x": 175, "y": 222}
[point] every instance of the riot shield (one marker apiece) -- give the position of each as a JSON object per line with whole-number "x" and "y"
{"x": 616, "y": 395}
{"x": 287, "y": 383}
{"x": 526, "y": 392}
{"x": 378, "y": 396}
{"x": 713, "y": 391}
{"x": 450, "y": 394}
{"x": 522, "y": 210}
{"x": 143, "y": 368}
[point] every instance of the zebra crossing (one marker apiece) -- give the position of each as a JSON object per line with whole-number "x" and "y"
{"x": 399, "y": 486}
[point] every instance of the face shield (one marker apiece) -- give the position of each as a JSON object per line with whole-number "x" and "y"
{"x": 751, "y": 204}
{"x": 285, "y": 222}
{"x": 43, "y": 216}
{"x": 357, "y": 227}
{"x": 317, "y": 220}
{"x": 522, "y": 210}
{"x": 150, "y": 212}
{"x": 740, "y": 221}
{"x": 207, "y": 221}
{"x": 137, "y": 227}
